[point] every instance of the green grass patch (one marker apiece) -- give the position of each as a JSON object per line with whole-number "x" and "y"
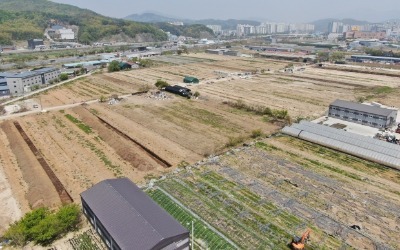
{"x": 383, "y": 90}
{"x": 266, "y": 147}
{"x": 85, "y": 128}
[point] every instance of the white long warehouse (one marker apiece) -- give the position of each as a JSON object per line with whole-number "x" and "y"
{"x": 364, "y": 147}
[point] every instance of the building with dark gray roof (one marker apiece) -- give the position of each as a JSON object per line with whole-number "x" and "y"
{"x": 369, "y": 115}
{"x": 126, "y": 218}
{"x": 19, "y": 83}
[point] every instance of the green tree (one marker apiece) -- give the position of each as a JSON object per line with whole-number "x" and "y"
{"x": 63, "y": 76}
{"x": 336, "y": 56}
{"x": 113, "y": 66}
{"x": 322, "y": 56}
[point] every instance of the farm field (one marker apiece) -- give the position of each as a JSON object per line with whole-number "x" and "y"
{"x": 262, "y": 195}
{"x": 275, "y": 188}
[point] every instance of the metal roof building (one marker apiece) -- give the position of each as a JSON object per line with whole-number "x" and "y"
{"x": 361, "y": 58}
{"x": 364, "y": 147}
{"x": 126, "y": 218}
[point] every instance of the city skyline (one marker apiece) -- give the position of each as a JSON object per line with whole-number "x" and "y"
{"x": 261, "y": 10}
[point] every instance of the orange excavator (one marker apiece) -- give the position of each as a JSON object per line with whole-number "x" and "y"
{"x": 299, "y": 243}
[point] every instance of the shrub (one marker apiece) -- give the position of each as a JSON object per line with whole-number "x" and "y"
{"x": 233, "y": 141}
{"x": 161, "y": 84}
{"x": 63, "y": 76}
{"x": 256, "y": 133}
{"x": 196, "y": 94}
{"x": 43, "y": 226}
{"x": 113, "y": 66}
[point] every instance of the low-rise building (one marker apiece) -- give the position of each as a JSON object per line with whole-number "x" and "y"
{"x": 33, "y": 43}
{"x": 369, "y": 115}
{"x": 19, "y": 83}
{"x": 66, "y": 34}
{"x": 126, "y": 218}
{"x": 225, "y": 52}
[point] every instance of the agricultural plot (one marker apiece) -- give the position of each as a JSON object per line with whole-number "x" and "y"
{"x": 204, "y": 237}
{"x": 87, "y": 240}
{"x": 260, "y": 196}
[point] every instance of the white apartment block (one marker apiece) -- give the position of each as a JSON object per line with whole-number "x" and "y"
{"x": 217, "y": 29}
{"x": 245, "y": 29}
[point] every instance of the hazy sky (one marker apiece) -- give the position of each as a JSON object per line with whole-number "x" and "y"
{"x": 276, "y": 10}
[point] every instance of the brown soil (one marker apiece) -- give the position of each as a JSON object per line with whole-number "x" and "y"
{"x": 40, "y": 189}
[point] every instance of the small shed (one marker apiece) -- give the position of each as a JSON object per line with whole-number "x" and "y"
{"x": 190, "y": 79}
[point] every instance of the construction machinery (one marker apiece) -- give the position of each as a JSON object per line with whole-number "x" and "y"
{"x": 299, "y": 243}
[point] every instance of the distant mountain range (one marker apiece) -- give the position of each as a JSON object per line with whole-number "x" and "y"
{"x": 156, "y": 18}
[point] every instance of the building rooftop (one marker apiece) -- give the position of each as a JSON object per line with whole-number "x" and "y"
{"x": 44, "y": 70}
{"x": 132, "y": 218}
{"x": 23, "y": 74}
{"x": 363, "y": 107}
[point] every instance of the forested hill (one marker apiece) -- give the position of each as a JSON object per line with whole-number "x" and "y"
{"x": 26, "y": 19}
{"x": 194, "y": 30}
